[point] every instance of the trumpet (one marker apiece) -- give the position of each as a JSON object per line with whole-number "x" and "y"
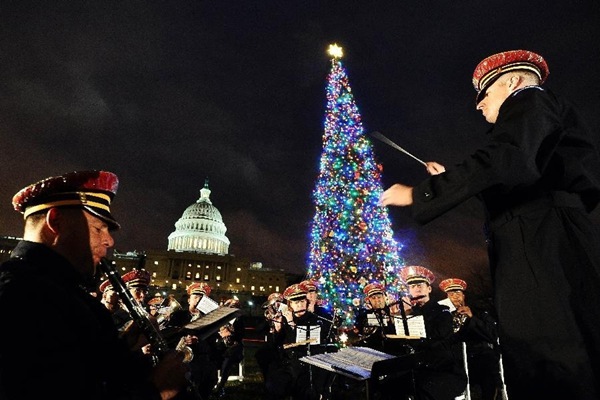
{"x": 274, "y": 309}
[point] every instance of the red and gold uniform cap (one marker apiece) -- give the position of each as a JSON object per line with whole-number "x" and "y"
{"x": 105, "y": 285}
{"x": 492, "y": 67}
{"x": 199, "y": 288}
{"x": 296, "y": 291}
{"x": 373, "y": 289}
{"x": 155, "y": 301}
{"x": 416, "y": 274}
{"x": 450, "y": 284}
{"x": 310, "y": 285}
{"x": 91, "y": 190}
{"x": 137, "y": 278}
{"x": 275, "y": 296}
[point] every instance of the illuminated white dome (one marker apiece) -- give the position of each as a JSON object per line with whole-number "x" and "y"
{"x": 200, "y": 229}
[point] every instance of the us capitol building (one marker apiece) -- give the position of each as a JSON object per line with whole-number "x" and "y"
{"x": 198, "y": 250}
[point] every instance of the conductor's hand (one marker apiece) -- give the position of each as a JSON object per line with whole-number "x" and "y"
{"x": 397, "y": 195}
{"x": 169, "y": 375}
{"x": 434, "y": 168}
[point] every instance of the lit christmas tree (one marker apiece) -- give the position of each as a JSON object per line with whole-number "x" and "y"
{"x": 352, "y": 240}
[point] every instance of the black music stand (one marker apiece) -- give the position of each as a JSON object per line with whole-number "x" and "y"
{"x": 389, "y": 376}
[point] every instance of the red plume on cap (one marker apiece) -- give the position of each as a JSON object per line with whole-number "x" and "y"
{"x": 90, "y": 190}
{"x": 450, "y": 284}
{"x": 490, "y": 68}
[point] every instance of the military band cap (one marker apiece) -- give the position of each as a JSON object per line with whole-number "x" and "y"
{"x": 374, "y": 288}
{"x": 199, "y": 288}
{"x": 416, "y": 274}
{"x": 295, "y": 292}
{"x": 451, "y": 284}
{"x": 91, "y": 190}
{"x": 492, "y": 67}
{"x": 105, "y": 285}
{"x": 275, "y": 296}
{"x": 310, "y": 285}
{"x": 137, "y": 278}
{"x": 155, "y": 301}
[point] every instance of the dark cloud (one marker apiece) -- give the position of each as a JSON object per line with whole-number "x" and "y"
{"x": 167, "y": 94}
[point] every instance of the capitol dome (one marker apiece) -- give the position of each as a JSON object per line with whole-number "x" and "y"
{"x": 200, "y": 229}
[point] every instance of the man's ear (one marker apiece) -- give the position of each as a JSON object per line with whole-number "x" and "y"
{"x": 514, "y": 82}
{"x": 53, "y": 219}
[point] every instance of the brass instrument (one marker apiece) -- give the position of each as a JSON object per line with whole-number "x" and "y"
{"x": 458, "y": 319}
{"x": 188, "y": 354}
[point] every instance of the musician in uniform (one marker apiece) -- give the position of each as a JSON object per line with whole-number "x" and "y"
{"x": 203, "y": 366}
{"x": 137, "y": 282}
{"x": 267, "y": 352}
{"x": 298, "y": 333}
{"x": 230, "y": 348}
{"x": 478, "y": 331}
{"x": 317, "y": 306}
{"x": 114, "y": 305}
{"x": 375, "y": 321}
{"x": 74, "y": 351}
{"x": 438, "y": 368}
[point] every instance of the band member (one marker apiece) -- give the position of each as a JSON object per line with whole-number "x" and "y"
{"x": 114, "y": 305}
{"x": 438, "y": 370}
{"x": 203, "y": 366}
{"x": 72, "y": 352}
{"x": 230, "y": 348}
{"x": 478, "y": 331}
{"x": 375, "y": 320}
{"x": 137, "y": 281}
{"x": 316, "y": 306}
{"x": 267, "y": 353}
{"x": 297, "y": 331}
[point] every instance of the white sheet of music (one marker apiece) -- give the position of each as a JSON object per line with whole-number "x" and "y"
{"x": 354, "y": 362}
{"x": 372, "y": 320}
{"x": 206, "y": 305}
{"x": 447, "y": 302}
{"x": 416, "y": 326}
{"x": 303, "y": 335}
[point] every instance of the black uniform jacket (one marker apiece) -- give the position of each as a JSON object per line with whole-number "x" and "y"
{"x": 538, "y": 177}
{"x": 58, "y": 340}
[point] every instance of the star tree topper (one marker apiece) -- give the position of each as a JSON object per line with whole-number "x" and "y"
{"x": 335, "y": 51}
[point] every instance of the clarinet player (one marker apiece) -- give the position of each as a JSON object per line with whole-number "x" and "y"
{"x": 68, "y": 229}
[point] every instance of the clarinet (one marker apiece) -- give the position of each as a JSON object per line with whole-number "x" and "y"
{"x": 140, "y": 316}
{"x": 138, "y": 313}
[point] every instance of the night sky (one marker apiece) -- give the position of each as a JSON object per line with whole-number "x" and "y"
{"x": 167, "y": 94}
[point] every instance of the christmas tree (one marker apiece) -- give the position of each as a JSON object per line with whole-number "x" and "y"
{"x": 352, "y": 241}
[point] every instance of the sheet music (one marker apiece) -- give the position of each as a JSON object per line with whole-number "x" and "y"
{"x": 355, "y": 362}
{"x": 416, "y": 327}
{"x": 447, "y": 302}
{"x": 210, "y": 323}
{"x": 302, "y": 333}
{"x": 372, "y": 320}
{"x": 206, "y": 305}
